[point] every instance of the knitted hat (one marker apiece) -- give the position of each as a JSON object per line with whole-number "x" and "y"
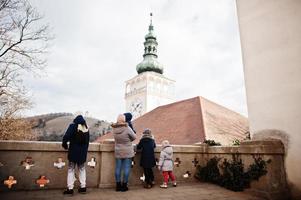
{"x": 147, "y": 131}
{"x": 165, "y": 143}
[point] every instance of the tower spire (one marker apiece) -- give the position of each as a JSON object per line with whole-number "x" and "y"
{"x": 151, "y": 27}
{"x": 150, "y": 62}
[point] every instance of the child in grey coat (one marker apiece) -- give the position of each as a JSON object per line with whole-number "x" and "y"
{"x": 166, "y": 164}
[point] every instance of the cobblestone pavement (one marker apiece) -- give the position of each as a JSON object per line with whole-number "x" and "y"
{"x": 191, "y": 191}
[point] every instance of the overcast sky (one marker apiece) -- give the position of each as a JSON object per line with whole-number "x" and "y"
{"x": 98, "y": 44}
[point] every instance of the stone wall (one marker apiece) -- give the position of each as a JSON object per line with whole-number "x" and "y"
{"x": 44, "y": 155}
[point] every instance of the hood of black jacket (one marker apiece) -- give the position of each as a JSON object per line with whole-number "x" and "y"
{"x": 128, "y": 117}
{"x": 79, "y": 119}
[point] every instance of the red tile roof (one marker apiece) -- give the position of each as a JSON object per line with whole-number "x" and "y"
{"x": 190, "y": 121}
{"x": 221, "y": 124}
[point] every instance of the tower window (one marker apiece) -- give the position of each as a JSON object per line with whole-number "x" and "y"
{"x": 149, "y": 48}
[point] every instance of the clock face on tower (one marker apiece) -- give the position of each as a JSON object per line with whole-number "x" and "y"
{"x": 136, "y": 107}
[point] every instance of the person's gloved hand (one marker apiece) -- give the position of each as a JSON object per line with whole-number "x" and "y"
{"x": 65, "y": 146}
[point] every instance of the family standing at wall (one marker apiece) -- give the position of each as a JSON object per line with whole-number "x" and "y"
{"x": 77, "y": 135}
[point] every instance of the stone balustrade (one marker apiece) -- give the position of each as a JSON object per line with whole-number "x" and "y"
{"x": 43, "y": 165}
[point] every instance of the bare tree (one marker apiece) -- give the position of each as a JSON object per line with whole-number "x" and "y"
{"x": 23, "y": 44}
{"x": 16, "y": 129}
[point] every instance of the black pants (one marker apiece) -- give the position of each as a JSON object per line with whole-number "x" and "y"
{"x": 149, "y": 175}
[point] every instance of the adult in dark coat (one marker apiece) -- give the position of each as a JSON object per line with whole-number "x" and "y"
{"x": 78, "y": 137}
{"x": 79, "y": 143}
{"x": 147, "y": 145}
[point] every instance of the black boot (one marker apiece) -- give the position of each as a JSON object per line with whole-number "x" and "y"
{"x": 124, "y": 187}
{"x": 82, "y": 190}
{"x": 118, "y": 186}
{"x": 68, "y": 192}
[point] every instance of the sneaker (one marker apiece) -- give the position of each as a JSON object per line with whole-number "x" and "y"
{"x": 164, "y": 185}
{"x": 147, "y": 186}
{"x": 174, "y": 184}
{"x": 68, "y": 191}
{"x": 82, "y": 190}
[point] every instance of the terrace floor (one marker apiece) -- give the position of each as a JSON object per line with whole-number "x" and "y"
{"x": 188, "y": 191}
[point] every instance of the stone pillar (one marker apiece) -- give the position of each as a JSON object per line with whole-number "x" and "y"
{"x": 107, "y": 165}
{"x": 271, "y": 47}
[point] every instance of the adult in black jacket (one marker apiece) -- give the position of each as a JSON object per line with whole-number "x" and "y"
{"x": 147, "y": 145}
{"x": 78, "y": 137}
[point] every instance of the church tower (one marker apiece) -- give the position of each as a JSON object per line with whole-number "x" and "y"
{"x": 150, "y": 88}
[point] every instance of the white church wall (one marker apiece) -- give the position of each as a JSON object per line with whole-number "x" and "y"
{"x": 271, "y": 46}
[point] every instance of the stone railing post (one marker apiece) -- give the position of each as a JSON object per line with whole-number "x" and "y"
{"x": 107, "y": 164}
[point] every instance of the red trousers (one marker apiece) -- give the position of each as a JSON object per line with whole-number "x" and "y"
{"x": 167, "y": 174}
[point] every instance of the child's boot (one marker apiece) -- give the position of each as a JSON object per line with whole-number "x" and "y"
{"x": 174, "y": 184}
{"x": 147, "y": 186}
{"x": 153, "y": 183}
{"x": 164, "y": 185}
